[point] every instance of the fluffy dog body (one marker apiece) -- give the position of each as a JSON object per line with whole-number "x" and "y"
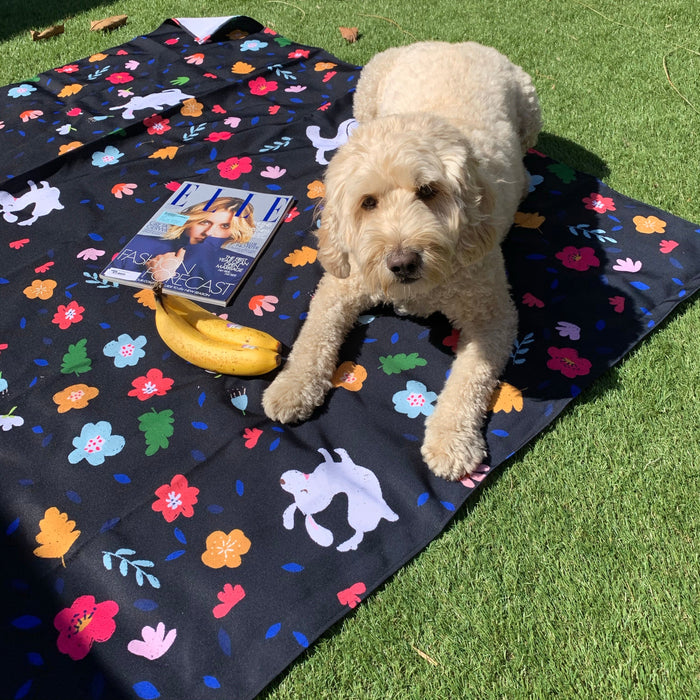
{"x": 417, "y": 203}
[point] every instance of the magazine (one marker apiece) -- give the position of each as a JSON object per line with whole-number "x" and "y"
{"x": 201, "y": 243}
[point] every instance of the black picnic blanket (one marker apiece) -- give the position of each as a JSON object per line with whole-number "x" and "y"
{"x": 155, "y": 542}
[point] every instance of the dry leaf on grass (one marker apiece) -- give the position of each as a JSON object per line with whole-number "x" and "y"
{"x": 350, "y": 34}
{"x": 47, "y": 33}
{"x": 108, "y": 23}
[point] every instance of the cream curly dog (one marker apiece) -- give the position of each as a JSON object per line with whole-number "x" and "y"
{"x": 417, "y": 203}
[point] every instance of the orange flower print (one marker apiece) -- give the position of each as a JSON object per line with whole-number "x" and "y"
{"x": 67, "y": 147}
{"x": 528, "y": 220}
{"x": 649, "y": 224}
{"x": 40, "y": 289}
{"x": 315, "y": 190}
{"x": 74, "y": 396}
{"x": 506, "y": 398}
{"x": 349, "y": 376}
{"x": 191, "y": 108}
{"x": 225, "y": 549}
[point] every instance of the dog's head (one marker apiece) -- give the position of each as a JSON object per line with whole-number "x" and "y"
{"x": 404, "y": 205}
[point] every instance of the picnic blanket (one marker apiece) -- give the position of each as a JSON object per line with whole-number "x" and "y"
{"x": 155, "y": 539}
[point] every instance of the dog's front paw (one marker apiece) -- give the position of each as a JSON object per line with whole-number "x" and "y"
{"x": 452, "y": 454}
{"x": 290, "y": 399}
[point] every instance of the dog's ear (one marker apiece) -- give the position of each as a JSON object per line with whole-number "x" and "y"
{"x": 476, "y": 204}
{"x": 332, "y": 252}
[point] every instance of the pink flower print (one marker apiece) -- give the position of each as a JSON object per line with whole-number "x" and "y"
{"x": 90, "y": 254}
{"x": 273, "y": 172}
{"x": 568, "y": 330}
{"x": 597, "y": 202}
{"x": 260, "y": 303}
{"x": 568, "y": 362}
{"x": 85, "y": 622}
{"x": 232, "y": 122}
{"x": 476, "y": 477}
{"x": 580, "y": 259}
{"x": 176, "y": 498}
{"x": 155, "y": 642}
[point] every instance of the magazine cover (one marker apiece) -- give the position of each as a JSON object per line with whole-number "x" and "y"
{"x": 201, "y": 243}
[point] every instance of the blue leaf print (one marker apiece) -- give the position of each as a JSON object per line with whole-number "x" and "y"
{"x": 301, "y": 639}
{"x": 224, "y": 641}
{"x": 423, "y": 498}
{"x": 180, "y": 535}
{"x": 26, "y": 622}
{"x": 273, "y": 630}
{"x": 292, "y": 567}
{"x": 146, "y": 690}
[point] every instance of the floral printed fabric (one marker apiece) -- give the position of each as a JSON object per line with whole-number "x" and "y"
{"x": 161, "y": 537}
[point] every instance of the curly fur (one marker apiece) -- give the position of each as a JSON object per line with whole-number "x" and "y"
{"x": 417, "y": 203}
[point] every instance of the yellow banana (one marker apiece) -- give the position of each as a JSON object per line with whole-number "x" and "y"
{"x": 208, "y": 353}
{"x": 218, "y": 328}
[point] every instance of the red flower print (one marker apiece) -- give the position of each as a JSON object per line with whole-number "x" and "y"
{"x": 260, "y": 86}
{"x": 233, "y": 168}
{"x": 156, "y": 124}
{"x": 299, "y": 53}
{"x": 618, "y": 304}
{"x": 176, "y": 498}
{"x": 152, "y": 384}
{"x": 65, "y": 315}
{"x": 260, "y": 303}
{"x": 219, "y": 136}
{"x": 72, "y": 68}
{"x": 251, "y": 436}
{"x": 119, "y": 78}
{"x": 531, "y": 300}
{"x": 597, "y": 202}
{"x": 351, "y": 596}
{"x": 579, "y": 259}
{"x": 567, "y": 361}
{"x": 82, "y": 624}
{"x": 451, "y": 340}
{"x": 230, "y": 596}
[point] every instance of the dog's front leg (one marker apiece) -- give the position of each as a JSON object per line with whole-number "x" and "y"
{"x": 454, "y": 445}
{"x": 306, "y": 378}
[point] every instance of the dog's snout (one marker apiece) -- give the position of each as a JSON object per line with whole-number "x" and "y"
{"x": 405, "y": 265}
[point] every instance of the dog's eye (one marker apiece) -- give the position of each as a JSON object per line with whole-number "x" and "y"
{"x": 426, "y": 192}
{"x": 368, "y": 202}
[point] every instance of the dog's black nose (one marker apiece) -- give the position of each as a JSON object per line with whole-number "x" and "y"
{"x": 405, "y": 264}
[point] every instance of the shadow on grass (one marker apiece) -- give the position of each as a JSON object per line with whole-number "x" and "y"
{"x": 16, "y": 19}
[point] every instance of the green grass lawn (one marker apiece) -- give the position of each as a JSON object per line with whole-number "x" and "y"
{"x": 576, "y": 571}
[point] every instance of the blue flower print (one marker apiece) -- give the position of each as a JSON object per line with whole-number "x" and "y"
{"x": 253, "y": 45}
{"x": 125, "y": 350}
{"x": 415, "y": 400}
{"x": 21, "y": 90}
{"x": 110, "y": 156}
{"x": 96, "y": 442}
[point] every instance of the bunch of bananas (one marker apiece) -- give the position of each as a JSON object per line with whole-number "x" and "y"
{"x": 213, "y": 343}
